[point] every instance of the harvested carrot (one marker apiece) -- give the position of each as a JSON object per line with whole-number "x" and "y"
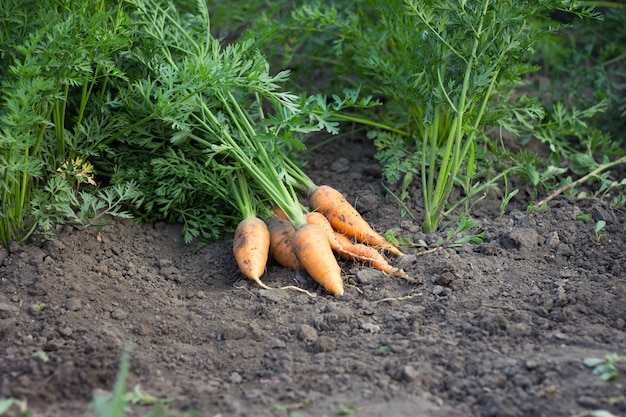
{"x": 319, "y": 219}
{"x": 346, "y": 219}
{"x": 279, "y": 213}
{"x": 311, "y": 246}
{"x": 251, "y": 248}
{"x": 281, "y": 235}
{"x": 368, "y": 254}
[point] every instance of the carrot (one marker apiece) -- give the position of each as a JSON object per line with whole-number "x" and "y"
{"x": 319, "y": 219}
{"x": 251, "y": 248}
{"x": 346, "y": 219}
{"x": 281, "y": 235}
{"x": 360, "y": 252}
{"x": 311, "y": 246}
{"x": 278, "y": 212}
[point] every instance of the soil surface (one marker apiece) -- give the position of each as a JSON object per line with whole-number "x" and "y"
{"x": 497, "y": 329}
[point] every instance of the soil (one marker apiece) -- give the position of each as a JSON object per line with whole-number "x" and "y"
{"x": 497, "y": 329}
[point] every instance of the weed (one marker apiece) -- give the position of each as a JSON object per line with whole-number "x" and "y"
{"x": 597, "y": 230}
{"x": 121, "y": 400}
{"x": 606, "y": 367}
{"x": 7, "y": 403}
{"x": 43, "y": 356}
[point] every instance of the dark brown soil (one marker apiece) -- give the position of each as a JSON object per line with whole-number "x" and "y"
{"x": 498, "y": 329}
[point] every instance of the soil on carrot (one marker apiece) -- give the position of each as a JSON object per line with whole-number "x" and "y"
{"x": 497, "y": 329}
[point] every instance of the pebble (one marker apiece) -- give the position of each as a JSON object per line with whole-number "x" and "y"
{"x": 438, "y": 290}
{"x": 232, "y": 333}
{"x": 370, "y": 327}
{"x": 405, "y": 373}
{"x": 406, "y": 261}
{"x": 276, "y": 343}
{"x": 523, "y": 238}
{"x": 235, "y": 378}
{"x": 34, "y": 309}
{"x": 552, "y": 240}
{"x": 324, "y": 344}
{"x": 65, "y": 331}
{"x": 589, "y": 402}
{"x": 307, "y": 334}
{"x": 367, "y": 276}
{"x": 119, "y": 314}
{"x": 73, "y": 304}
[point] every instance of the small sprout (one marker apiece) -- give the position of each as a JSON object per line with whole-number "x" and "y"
{"x": 597, "y": 229}
{"x": 345, "y": 411}
{"x": 584, "y": 217}
{"x": 391, "y": 238}
{"x": 6, "y": 404}
{"x": 506, "y": 199}
{"x": 605, "y": 367}
{"x": 41, "y": 355}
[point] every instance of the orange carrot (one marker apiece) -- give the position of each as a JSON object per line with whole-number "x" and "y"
{"x": 319, "y": 219}
{"x": 251, "y": 248}
{"x": 312, "y": 249}
{"x": 346, "y": 219}
{"x": 281, "y": 235}
{"x": 360, "y": 252}
{"x": 279, "y": 213}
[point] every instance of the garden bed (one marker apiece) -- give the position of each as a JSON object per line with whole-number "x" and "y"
{"x": 497, "y": 329}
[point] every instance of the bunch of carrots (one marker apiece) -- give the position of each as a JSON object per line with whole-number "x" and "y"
{"x": 328, "y": 227}
{"x": 224, "y": 102}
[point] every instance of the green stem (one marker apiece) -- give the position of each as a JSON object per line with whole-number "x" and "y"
{"x": 59, "y": 121}
{"x": 363, "y": 121}
{"x": 455, "y": 149}
{"x": 303, "y": 182}
{"x": 85, "y": 94}
{"x": 242, "y": 196}
{"x": 272, "y": 185}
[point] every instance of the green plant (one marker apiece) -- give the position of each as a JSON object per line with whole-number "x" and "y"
{"x": 57, "y": 62}
{"x": 596, "y": 49}
{"x": 59, "y": 203}
{"x": 606, "y": 367}
{"x": 213, "y": 110}
{"x": 597, "y": 230}
{"x": 40, "y": 354}
{"x": 121, "y": 400}
{"x": 454, "y": 238}
{"x": 447, "y": 71}
{"x": 7, "y": 403}
{"x": 594, "y": 172}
